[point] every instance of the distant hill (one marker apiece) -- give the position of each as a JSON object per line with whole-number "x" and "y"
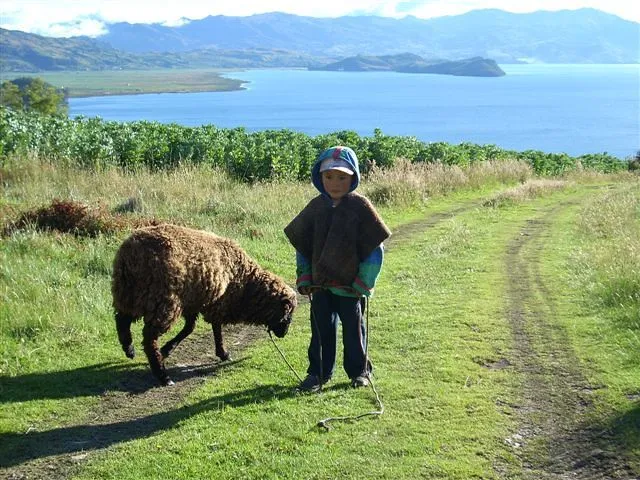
{"x": 26, "y": 52}
{"x": 410, "y": 63}
{"x": 369, "y": 63}
{"x": 283, "y": 40}
{"x": 567, "y": 36}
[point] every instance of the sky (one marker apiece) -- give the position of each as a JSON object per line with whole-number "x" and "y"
{"x": 65, "y": 18}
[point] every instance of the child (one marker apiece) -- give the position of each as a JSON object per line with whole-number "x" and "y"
{"x": 338, "y": 240}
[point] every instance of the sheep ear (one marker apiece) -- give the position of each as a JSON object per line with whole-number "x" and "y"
{"x": 292, "y": 299}
{"x": 288, "y": 306}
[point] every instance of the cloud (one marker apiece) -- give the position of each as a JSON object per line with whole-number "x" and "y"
{"x": 89, "y": 17}
{"x": 86, "y": 26}
{"x": 438, "y": 8}
{"x": 68, "y": 17}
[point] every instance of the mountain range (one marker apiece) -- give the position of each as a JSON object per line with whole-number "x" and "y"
{"x": 285, "y": 40}
{"x": 27, "y": 52}
{"x": 567, "y": 36}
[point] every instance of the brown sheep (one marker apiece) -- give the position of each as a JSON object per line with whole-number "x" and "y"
{"x": 165, "y": 271}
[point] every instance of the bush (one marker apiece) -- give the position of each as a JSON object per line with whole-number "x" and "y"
{"x": 634, "y": 165}
{"x": 272, "y": 154}
{"x": 68, "y": 216}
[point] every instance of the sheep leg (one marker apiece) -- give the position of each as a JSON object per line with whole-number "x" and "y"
{"x": 221, "y": 353}
{"x": 123, "y": 326}
{"x": 189, "y": 325}
{"x": 150, "y": 336}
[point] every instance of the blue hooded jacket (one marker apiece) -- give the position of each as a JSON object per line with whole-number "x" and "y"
{"x": 342, "y": 153}
{"x": 340, "y": 251}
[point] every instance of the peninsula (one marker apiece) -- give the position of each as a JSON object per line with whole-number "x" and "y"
{"x": 411, "y": 63}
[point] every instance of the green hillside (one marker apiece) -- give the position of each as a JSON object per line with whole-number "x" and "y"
{"x": 25, "y": 52}
{"x": 409, "y": 63}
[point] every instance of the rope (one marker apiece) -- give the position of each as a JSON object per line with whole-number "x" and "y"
{"x": 324, "y": 423}
{"x": 283, "y": 357}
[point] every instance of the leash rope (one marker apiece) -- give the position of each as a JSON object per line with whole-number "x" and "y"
{"x": 324, "y": 423}
{"x": 283, "y": 357}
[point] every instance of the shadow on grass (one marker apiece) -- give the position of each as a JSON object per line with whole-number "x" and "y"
{"x": 625, "y": 430}
{"x": 614, "y": 446}
{"x": 94, "y": 380}
{"x": 19, "y": 448}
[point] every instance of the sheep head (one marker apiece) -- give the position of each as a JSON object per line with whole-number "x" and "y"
{"x": 269, "y": 301}
{"x": 279, "y": 323}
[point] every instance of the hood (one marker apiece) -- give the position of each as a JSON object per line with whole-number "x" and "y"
{"x": 343, "y": 153}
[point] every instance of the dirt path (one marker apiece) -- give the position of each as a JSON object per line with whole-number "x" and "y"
{"x": 554, "y": 441}
{"x": 133, "y": 407}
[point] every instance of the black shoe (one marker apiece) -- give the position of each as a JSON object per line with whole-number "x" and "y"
{"x": 310, "y": 384}
{"x": 361, "y": 380}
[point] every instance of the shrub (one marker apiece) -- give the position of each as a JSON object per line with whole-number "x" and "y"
{"x": 68, "y": 216}
{"x": 271, "y": 154}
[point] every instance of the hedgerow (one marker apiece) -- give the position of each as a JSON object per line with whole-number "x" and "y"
{"x": 249, "y": 156}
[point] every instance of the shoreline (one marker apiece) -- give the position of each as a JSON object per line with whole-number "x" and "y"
{"x": 105, "y": 83}
{"x": 158, "y": 92}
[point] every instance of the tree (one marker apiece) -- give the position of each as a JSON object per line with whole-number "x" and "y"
{"x": 11, "y": 96}
{"x": 634, "y": 164}
{"x": 33, "y": 94}
{"x": 44, "y": 98}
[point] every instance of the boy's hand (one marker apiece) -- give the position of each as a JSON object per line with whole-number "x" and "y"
{"x": 352, "y": 290}
{"x": 304, "y": 290}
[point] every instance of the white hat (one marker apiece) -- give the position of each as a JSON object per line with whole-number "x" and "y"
{"x": 336, "y": 164}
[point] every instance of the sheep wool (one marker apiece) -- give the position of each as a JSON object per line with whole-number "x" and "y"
{"x": 163, "y": 272}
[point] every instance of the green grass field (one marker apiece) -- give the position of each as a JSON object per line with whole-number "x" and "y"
{"x": 503, "y": 330}
{"x": 132, "y": 82}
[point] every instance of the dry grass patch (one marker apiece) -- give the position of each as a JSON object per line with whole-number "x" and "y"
{"x": 68, "y": 216}
{"x": 527, "y": 191}
{"x": 408, "y": 183}
{"x": 611, "y": 257}
{"x": 585, "y": 176}
{"x": 500, "y": 171}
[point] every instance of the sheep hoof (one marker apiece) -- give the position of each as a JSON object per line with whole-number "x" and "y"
{"x": 129, "y": 351}
{"x": 167, "y": 382}
{"x": 225, "y": 357}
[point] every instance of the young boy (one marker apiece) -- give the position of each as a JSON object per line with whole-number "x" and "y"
{"x": 338, "y": 240}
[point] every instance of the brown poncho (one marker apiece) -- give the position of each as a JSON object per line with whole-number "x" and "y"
{"x": 337, "y": 239}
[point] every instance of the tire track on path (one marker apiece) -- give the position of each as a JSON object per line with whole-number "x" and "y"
{"x": 406, "y": 230}
{"x": 553, "y": 440}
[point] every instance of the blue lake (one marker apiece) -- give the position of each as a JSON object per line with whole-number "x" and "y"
{"x": 575, "y": 109}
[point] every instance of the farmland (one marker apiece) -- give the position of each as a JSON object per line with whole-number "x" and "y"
{"x": 135, "y": 82}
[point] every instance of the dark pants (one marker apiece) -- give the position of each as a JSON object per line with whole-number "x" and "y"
{"x": 326, "y": 310}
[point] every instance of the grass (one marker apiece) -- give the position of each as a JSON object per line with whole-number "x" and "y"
{"x": 428, "y": 409}
{"x": 437, "y": 324}
{"x": 525, "y": 191}
{"x": 592, "y": 267}
{"x": 133, "y": 82}
{"x": 606, "y": 266}
{"x": 415, "y": 183}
